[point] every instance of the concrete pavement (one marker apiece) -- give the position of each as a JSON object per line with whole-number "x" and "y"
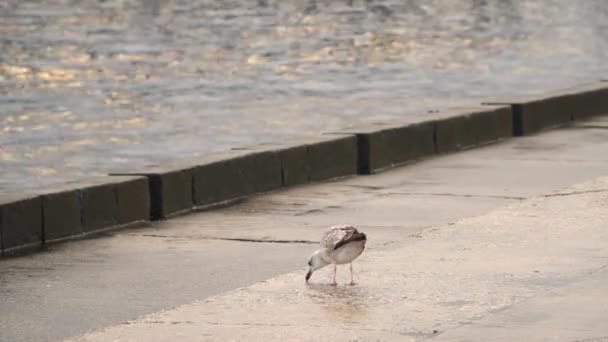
{"x": 534, "y": 270}
{"x": 414, "y": 216}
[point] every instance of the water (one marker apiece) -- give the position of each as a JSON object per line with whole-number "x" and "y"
{"x": 87, "y": 87}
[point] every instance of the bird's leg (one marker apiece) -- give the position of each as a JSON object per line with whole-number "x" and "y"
{"x": 352, "y": 280}
{"x": 335, "y": 270}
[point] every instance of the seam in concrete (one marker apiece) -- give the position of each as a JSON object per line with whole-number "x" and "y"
{"x": 308, "y": 242}
{"x": 227, "y": 239}
{"x": 601, "y": 268}
{"x": 156, "y": 197}
{"x": 282, "y": 176}
{"x": 573, "y": 193}
{"x": 43, "y": 222}
{"x": 367, "y": 187}
{"x": 258, "y": 324}
{"x": 363, "y": 152}
{"x": 160, "y": 322}
{"x": 435, "y": 139}
{"x": 556, "y": 160}
{"x": 1, "y": 234}
{"x": 80, "y": 197}
{"x": 517, "y": 198}
{"x": 592, "y": 127}
{"x": 115, "y": 218}
{"x": 223, "y": 204}
{"x": 593, "y": 339}
{"x": 297, "y": 325}
{"x": 307, "y": 212}
{"x": 193, "y": 191}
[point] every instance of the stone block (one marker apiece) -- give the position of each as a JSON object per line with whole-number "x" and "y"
{"x": 494, "y": 123}
{"x": 235, "y": 174}
{"x": 61, "y": 213}
{"x": 20, "y": 222}
{"x": 534, "y": 113}
{"x": 383, "y": 145}
{"x": 454, "y": 133}
{"x": 133, "y": 200}
{"x": 170, "y": 192}
{"x": 261, "y": 171}
{"x": 295, "y": 168}
{"x": 92, "y": 204}
{"x": 218, "y": 180}
{"x": 544, "y": 113}
{"x": 459, "y": 128}
{"x": 99, "y": 207}
{"x": 589, "y": 100}
{"x": 332, "y": 156}
{"x": 170, "y": 188}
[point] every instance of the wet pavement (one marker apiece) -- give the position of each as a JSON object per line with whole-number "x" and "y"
{"x": 92, "y": 86}
{"x": 481, "y": 239}
{"x": 534, "y": 270}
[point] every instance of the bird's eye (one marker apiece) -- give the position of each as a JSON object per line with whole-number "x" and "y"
{"x": 310, "y": 262}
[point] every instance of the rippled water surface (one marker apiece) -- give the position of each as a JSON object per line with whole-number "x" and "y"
{"x": 92, "y": 86}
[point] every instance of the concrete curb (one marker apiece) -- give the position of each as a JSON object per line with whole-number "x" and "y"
{"x": 72, "y": 210}
{"x": 532, "y": 114}
{"x": 467, "y": 127}
{"x": 233, "y": 176}
{"x": 20, "y": 222}
{"x": 176, "y": 189}
{"x": 169, "y": 189}
{"x": 314, "y": 158}
{"x": 385, "y": 145}
{"x": 333, "y": 157}
{"x": 77, "y": 209}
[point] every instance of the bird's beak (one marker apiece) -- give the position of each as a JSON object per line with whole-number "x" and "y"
{"x": 308, "y": 274}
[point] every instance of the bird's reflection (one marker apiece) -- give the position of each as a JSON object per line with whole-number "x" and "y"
{"x": 346, "y": 302}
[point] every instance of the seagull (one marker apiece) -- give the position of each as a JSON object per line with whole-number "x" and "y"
{"x": 339, "y": 245}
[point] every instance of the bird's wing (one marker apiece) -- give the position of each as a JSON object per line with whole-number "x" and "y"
{"x": 337, "y": 235}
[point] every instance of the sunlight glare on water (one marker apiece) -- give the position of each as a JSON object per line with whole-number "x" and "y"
{"x": 88, "y": 87}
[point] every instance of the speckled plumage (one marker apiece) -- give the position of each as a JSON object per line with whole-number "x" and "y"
{"x": 339, "y": 245}
{"x": 337, "y": 236}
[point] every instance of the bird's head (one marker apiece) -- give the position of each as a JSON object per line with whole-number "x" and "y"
{"x": 316, "y": 262}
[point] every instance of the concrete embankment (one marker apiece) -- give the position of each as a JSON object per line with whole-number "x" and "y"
{"x": 74, "y": 288}
{"x": 130, "y": 197}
